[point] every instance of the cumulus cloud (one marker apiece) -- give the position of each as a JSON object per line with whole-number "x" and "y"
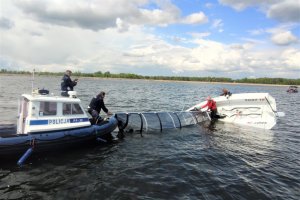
{"x": 280, "y": 35}
{"x": 195, "y": 18}
{"x": 291, "y": 58}
{"x": 211, "y": 56}
{"x": 286, "y": 11}
{"x": 281, "y": 10}
{"x": 96, "y": 15}
{"x": 284, "y": 38}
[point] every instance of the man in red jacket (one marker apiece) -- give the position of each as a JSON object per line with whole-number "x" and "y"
{"x": 212, "y": 106}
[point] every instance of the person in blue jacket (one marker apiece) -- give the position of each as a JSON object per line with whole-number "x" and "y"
{"x": 67, "y": 84}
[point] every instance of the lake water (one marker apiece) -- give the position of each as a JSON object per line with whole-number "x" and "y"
{"x": 219, "y": 161}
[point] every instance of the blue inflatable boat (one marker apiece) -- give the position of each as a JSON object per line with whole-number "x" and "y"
{"x": 46, "y": 122}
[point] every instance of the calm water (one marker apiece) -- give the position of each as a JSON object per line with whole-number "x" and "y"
{"x": 219, "y": 161}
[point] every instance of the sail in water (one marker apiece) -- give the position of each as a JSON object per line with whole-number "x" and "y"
{"x": 153, "y": 121}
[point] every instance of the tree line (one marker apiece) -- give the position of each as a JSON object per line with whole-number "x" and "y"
{"x": 265, "y": 80}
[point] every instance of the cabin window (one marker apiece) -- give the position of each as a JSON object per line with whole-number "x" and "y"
{"x": 47, "y": 108}
{"x": 76, "y": 109}
{"x": 67, "y": 109}
{"x": 72, "y": 109}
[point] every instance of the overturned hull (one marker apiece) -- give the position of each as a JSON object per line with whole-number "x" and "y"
{"x": 250, "y": 109}
{"x": 17, "y": 144}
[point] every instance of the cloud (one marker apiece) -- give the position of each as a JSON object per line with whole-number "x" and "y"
{"x": 291, "y": 58}
{"x": 218, "y": 24}
{"x": 257, "y": 32}
{"x": 284, "y": 38}
{"x": 121, "y": 41}
{"x": 195, "y": 18}
{"x": 281, "y": 10}
{"x": 285, "y": 11}
{"x": 96, "y": 15}
{"x": 282, "y": 35}
{"x": 209, "y": 5}
{"x": 121, "y": 26}
{"x": 6, "y": 23}
{"x": 200, "y": 35}
{"x": 242, "y": 4}
{"x": 211, "y": 56}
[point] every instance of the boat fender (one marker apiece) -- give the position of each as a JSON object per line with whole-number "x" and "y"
{"x": 25, "y": 156}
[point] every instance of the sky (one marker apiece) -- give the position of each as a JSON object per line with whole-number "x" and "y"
{"x": 220, "y": 38}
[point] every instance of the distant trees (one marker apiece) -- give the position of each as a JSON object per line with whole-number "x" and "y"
{"x": 107, "y": 74}
{"x": 5, "y": 71}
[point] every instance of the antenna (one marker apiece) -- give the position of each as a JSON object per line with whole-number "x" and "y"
{"x": 32, "y": 80}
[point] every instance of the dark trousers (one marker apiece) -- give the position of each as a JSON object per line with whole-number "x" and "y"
{"x": 213, "y": 114}
{"x": 95, "y": 115}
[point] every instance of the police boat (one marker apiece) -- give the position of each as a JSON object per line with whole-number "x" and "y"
{"x": 46, "y": 122}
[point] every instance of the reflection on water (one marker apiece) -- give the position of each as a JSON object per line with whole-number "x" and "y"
{"x": 207, "y": 161}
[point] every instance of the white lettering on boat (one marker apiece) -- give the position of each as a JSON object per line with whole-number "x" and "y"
{"x": 58, "y": 121}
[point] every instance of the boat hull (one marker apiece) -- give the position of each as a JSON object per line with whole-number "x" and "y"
{"x": 13, "y": 144}
{"x": 250, "y": 109}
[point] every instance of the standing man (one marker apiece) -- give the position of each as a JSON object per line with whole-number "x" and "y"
{"x": 67, "y": 84}
{"x": 96, "y": 104}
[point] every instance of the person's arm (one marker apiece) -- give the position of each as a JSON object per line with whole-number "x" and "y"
{"x": 204, "y": 105}
{"x": 73, "y": 83}
{"x": 104, "y": 108}
{"x": 102, "y": 105}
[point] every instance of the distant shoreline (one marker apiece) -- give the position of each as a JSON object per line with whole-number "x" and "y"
{"x": 179, "y": 81}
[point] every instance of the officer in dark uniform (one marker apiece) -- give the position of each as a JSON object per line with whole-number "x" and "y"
{"x": 67, "y": 84}
{"x": 96, "y": 104}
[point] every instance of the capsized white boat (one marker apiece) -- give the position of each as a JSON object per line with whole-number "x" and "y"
{"x": 251, "y": 109}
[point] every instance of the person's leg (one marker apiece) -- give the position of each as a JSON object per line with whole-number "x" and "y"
{"x": 213, "y": 114}
{"x": 96, "y": 117}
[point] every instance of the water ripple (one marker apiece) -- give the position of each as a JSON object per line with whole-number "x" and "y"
{"x": 207, "y": 161}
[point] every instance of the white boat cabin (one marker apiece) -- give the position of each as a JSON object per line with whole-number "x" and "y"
{"x": 42, "y": 112}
